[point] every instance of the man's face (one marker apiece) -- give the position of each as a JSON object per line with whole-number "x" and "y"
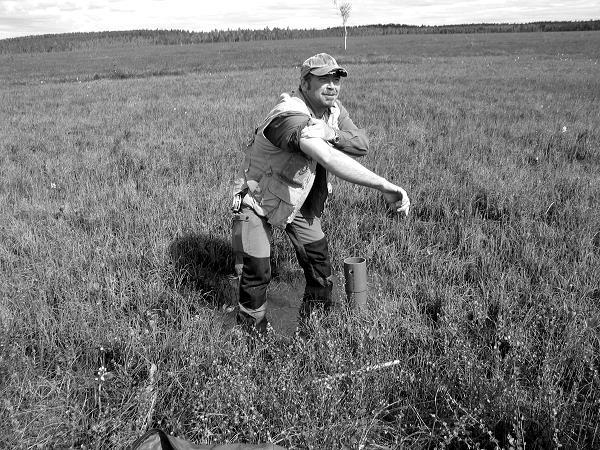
{"x": 321, "y": 91}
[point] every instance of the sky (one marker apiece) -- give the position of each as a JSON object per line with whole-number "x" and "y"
{"x": 29, "y": 17}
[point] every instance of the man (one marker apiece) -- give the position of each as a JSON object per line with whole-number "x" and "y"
{"x": 283, "y": 183}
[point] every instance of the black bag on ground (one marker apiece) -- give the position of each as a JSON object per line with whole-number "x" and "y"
{"x": 156, "y": 439}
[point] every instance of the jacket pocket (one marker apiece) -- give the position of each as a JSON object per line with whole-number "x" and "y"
{"x": 295, "y": 171}
{"x": 278, "y": 202}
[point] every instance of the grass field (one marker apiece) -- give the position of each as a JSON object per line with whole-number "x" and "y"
{"x": 114, "y": 250}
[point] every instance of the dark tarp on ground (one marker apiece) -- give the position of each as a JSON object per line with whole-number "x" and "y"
{"x": 158, "y": 440}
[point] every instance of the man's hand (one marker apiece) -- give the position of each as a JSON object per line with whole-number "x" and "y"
{"x": 397, "y": 199}
{"x": 317, "y": 128}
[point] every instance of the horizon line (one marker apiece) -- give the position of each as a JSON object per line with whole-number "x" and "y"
{"x": 399, "y": 25}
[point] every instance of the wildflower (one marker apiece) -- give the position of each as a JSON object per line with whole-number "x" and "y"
{"x": 103, "y": 374}
{"x": 52, "y": 185}
{"x": 564, "y": 129}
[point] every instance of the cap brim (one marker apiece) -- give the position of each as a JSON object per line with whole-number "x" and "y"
{"x": 320, "y": 71}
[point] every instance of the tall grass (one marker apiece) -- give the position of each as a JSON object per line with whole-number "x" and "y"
{"x": 114, "y": 253}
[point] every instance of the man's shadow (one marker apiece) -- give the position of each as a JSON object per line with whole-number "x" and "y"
{"x": 205, "y": 263}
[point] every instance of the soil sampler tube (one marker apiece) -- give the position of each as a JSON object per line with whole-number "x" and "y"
{"x": 355, "y": 272}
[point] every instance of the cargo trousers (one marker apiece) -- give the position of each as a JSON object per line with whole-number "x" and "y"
{"x": 251, "y": 241}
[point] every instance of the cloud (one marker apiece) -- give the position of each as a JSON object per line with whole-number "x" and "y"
{"x": 25, "y": 17}
{"x": 444, "y": 12}
{"x": 35, "y": 25}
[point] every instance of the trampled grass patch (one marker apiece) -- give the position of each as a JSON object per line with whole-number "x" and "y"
{"x": 114, "y": 195}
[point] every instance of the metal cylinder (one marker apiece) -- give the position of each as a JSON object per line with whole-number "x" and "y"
{"x": 355, "y": 272}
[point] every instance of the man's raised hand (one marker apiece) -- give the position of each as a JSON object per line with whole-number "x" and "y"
{"x": 317, "y": 128}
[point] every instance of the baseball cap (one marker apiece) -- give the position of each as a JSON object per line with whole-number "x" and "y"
{"x": 321, "y": 64}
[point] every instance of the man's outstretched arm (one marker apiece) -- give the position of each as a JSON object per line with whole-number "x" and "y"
{"x": 346, "y": 168}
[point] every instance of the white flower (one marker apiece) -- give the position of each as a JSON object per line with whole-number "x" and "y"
{"x": 564, "y": 129}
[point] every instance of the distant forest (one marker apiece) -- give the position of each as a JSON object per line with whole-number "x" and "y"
{"x": 139, "y": 38}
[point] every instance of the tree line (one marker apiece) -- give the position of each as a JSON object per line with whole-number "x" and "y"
{"x": 138, "y": 38}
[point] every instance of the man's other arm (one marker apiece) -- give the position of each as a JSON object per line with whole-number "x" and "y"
{"x": 353, "y": 140}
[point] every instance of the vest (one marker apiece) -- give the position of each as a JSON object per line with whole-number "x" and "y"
{"x": 278, "y": 182}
